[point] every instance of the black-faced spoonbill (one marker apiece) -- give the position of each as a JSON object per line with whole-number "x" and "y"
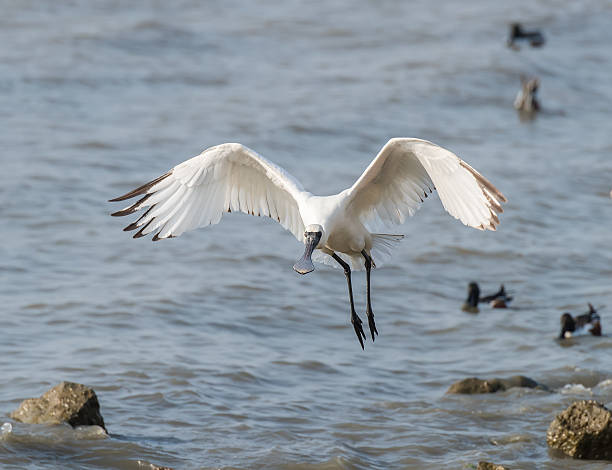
{"x": 231, "y": 177}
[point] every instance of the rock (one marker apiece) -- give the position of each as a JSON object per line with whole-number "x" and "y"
{"x": 490, "y": 466}
{"x": 67, "y": 402}
{"x": 474, "y": 385}
{"x": 523, "y": 382}
{"x": 151, "y": 466}
{"x": 583, "y": 431}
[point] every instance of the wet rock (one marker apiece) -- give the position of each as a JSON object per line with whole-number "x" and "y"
{"x": 67, "y": 402}
{"x": 582, "y": 431}
{"x": 490, "y": 466}
{"x": 151, "y": 466}
{"x": 475, "y": 385}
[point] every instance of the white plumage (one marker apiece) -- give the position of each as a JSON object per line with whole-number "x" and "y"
{"x": 231, "y": 177}
{"x": 225, "y": 178}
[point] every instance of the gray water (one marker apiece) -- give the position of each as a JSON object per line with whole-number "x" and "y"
{"x": 208, "y": 351}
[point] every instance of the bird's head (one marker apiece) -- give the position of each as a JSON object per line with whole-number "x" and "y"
{"x": 471, "y": 303}
{"x": 473, "y": 294}
{"x": 312, "y": 236}
{"x": 568, "y": 326}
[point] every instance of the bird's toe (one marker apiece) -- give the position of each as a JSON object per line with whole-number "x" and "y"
{"x": 358, "y": 326}
{"x": 372, "y": 325}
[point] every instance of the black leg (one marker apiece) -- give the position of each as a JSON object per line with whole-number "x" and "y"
{"x": 355, "y": 320}
{"x": 370, "y": 314}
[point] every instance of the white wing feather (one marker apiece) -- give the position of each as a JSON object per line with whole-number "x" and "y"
{"x": 406, "y": 170}
{"x": 225, "y": 178}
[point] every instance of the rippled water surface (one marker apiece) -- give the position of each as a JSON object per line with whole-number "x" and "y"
{"x": 208, "y": 351}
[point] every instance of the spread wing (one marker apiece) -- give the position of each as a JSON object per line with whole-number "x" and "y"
{"x": 406, "y": 170}
{"x": 225, "y": 178}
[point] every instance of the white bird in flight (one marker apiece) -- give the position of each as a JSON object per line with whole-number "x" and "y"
{"x": 231, "y": 177}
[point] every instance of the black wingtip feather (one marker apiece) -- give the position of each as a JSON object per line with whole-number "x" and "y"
{"x": 156, "y": 237}
{"x": 142, "y": 189}
{"x": 139, "y": 233}
{"x": 133, "y": 208}
{"x": 134, "y": 225}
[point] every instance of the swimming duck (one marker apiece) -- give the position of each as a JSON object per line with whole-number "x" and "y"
{"x": 517, "y": 33}
{"x": 526, "y": 100}
{"x": 498, "y": 300}
{"x": 589, "y": 322}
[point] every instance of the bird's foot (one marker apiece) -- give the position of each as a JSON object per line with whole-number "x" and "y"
{"x": 356, "y": 321}
{"x": 372, "y": 324}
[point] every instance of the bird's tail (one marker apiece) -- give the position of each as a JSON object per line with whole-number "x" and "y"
{"x": 382, "y": 246}
{"x": 592, "y": 313}
{"x": 592, "y": 309}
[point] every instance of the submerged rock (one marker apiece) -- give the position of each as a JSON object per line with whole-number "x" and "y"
{"x": 490, "y": 466}
{"x": 583, "y": 431}
{"x": 475, "y": 385}
{"x": 151, "y": 466}
{"x": 68, "y": 402}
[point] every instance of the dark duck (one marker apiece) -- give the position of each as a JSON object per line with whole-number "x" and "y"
{"x": 499, "y": 299}
{"x": 526, "y": 99}
{"x": 517, "y": 33}
{"x": 588, "y": 323}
